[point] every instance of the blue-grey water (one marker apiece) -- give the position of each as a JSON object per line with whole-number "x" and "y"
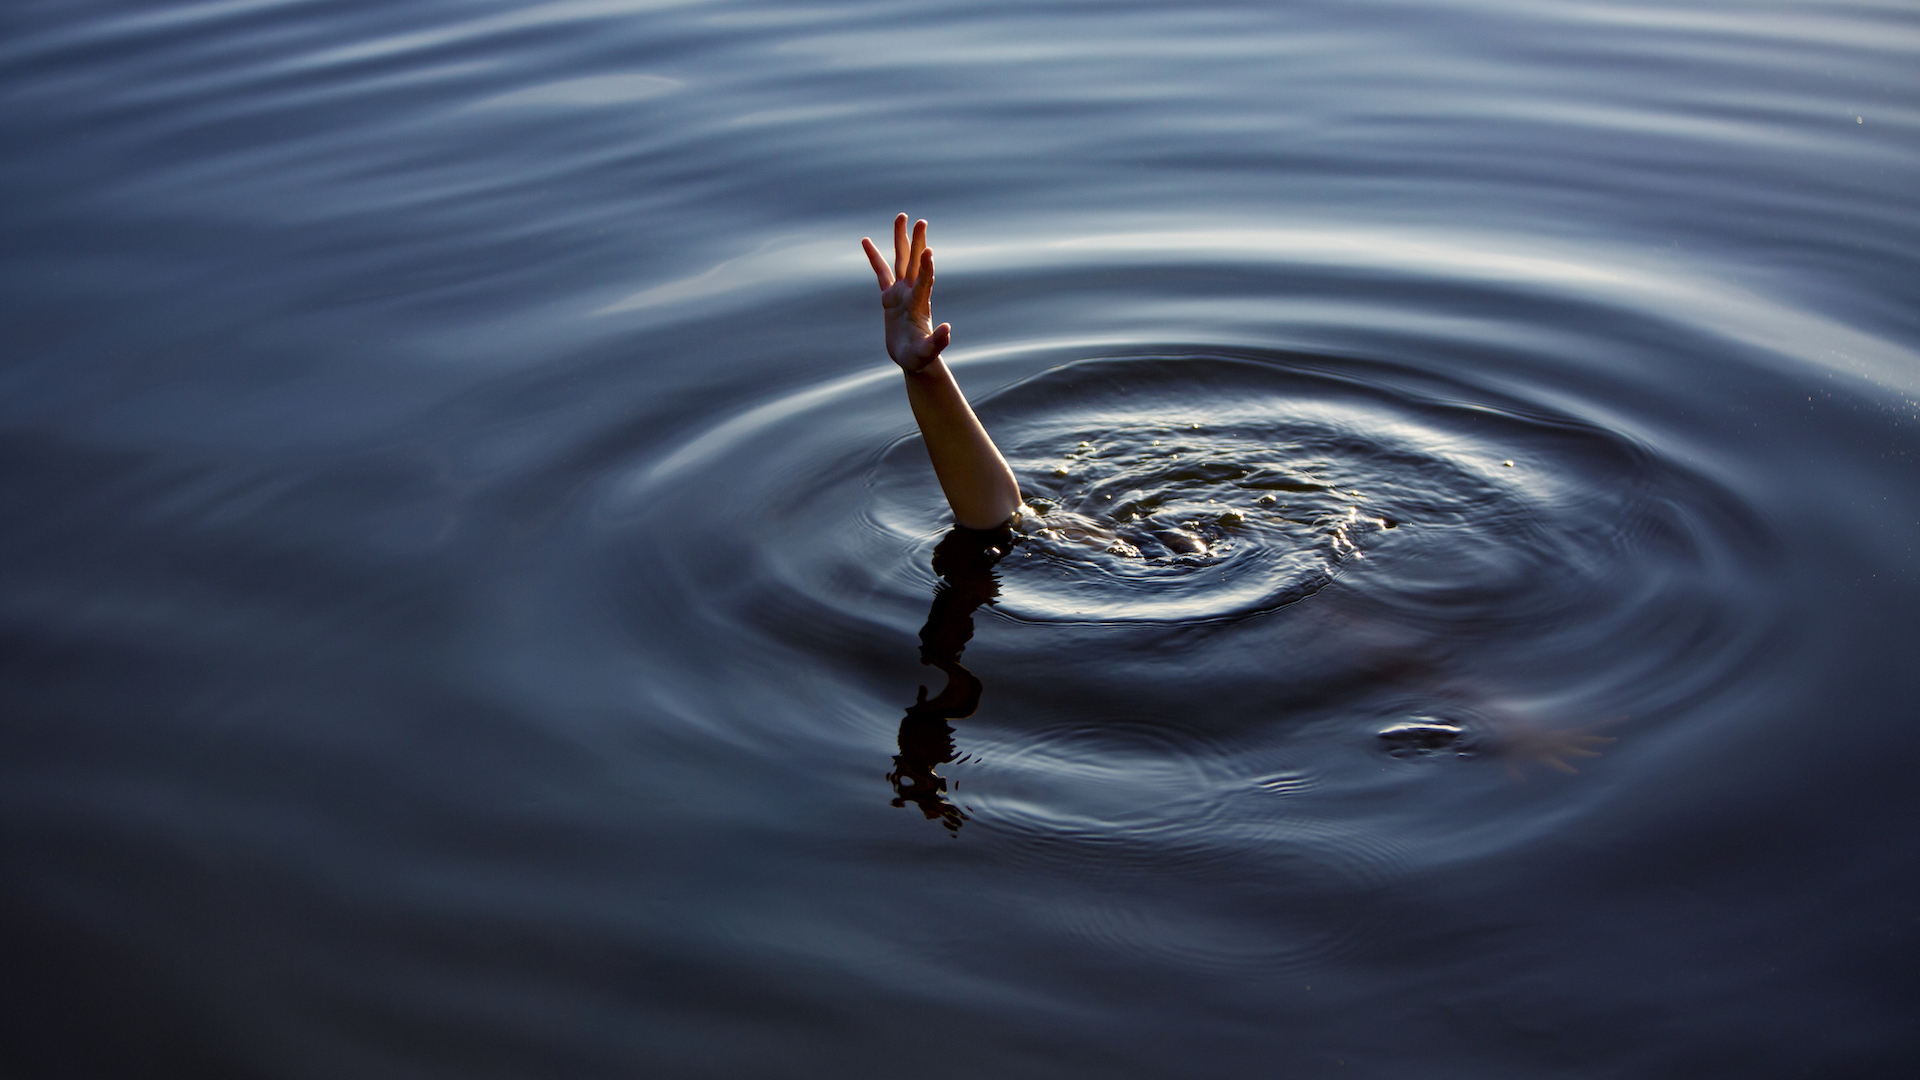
{"x": 474, "y": 603}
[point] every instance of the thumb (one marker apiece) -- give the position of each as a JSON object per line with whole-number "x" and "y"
{"x": 937, "y": 341}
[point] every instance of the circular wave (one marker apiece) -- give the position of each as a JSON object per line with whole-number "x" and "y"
{"x": 1175, "y": 489}
{"x": 1252, "y": 589}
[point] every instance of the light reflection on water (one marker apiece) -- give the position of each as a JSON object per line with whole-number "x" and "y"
{"x": 466, "y": 548}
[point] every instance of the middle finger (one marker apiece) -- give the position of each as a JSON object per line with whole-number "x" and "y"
{"x": 919, "y": 245}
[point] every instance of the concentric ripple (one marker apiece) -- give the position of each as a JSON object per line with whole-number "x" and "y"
{"x": 1504, "y": 569}
{"x": 1194, "y": 488}
{"x": 1323, "y": 532}
{"x": 1267, "y": 616}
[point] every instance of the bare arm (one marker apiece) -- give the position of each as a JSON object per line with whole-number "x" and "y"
{"x": 975, "y": 478}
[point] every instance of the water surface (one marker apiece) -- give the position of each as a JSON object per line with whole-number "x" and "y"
{"x": 476, "y": 605}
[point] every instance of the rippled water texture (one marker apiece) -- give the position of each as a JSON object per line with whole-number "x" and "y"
{"x": 475, "y": 603}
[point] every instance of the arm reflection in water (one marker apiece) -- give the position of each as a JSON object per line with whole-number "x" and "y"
{"x": 985, "y": 499}
{"x": 964, "y": 560}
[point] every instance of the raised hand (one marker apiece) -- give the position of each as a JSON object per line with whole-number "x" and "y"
{"x": 906, "y": 297}
{"x": 973, "y": 475}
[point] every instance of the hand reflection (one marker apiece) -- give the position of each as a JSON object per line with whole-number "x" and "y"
{"x": 1524, "y": 744}
{"x": 964, "y": 560}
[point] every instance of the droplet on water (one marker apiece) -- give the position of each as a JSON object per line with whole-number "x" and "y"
{"x": 1420, "y": 736}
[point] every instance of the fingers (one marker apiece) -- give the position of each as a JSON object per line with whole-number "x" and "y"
{"x": 919, "y": 245}
{"x": 906, "y": 252}
{"x": 923, "y": 280}
{"x": 880, "y": 268}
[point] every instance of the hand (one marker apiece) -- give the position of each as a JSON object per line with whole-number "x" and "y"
{"x": 906, "y": 297}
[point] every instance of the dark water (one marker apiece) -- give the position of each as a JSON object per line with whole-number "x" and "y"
{"x": 468, "y": 565}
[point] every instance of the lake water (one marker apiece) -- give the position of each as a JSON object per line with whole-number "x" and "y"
{"x": 476, "y": 605}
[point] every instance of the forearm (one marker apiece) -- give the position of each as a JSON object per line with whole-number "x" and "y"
{"x": 976, "y": 479}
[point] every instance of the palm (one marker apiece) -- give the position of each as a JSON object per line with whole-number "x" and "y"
{"x": 906, "y": 297}
{"x": 909, "y": 324}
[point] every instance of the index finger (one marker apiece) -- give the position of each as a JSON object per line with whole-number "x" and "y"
{"x": 880, "y": 268}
